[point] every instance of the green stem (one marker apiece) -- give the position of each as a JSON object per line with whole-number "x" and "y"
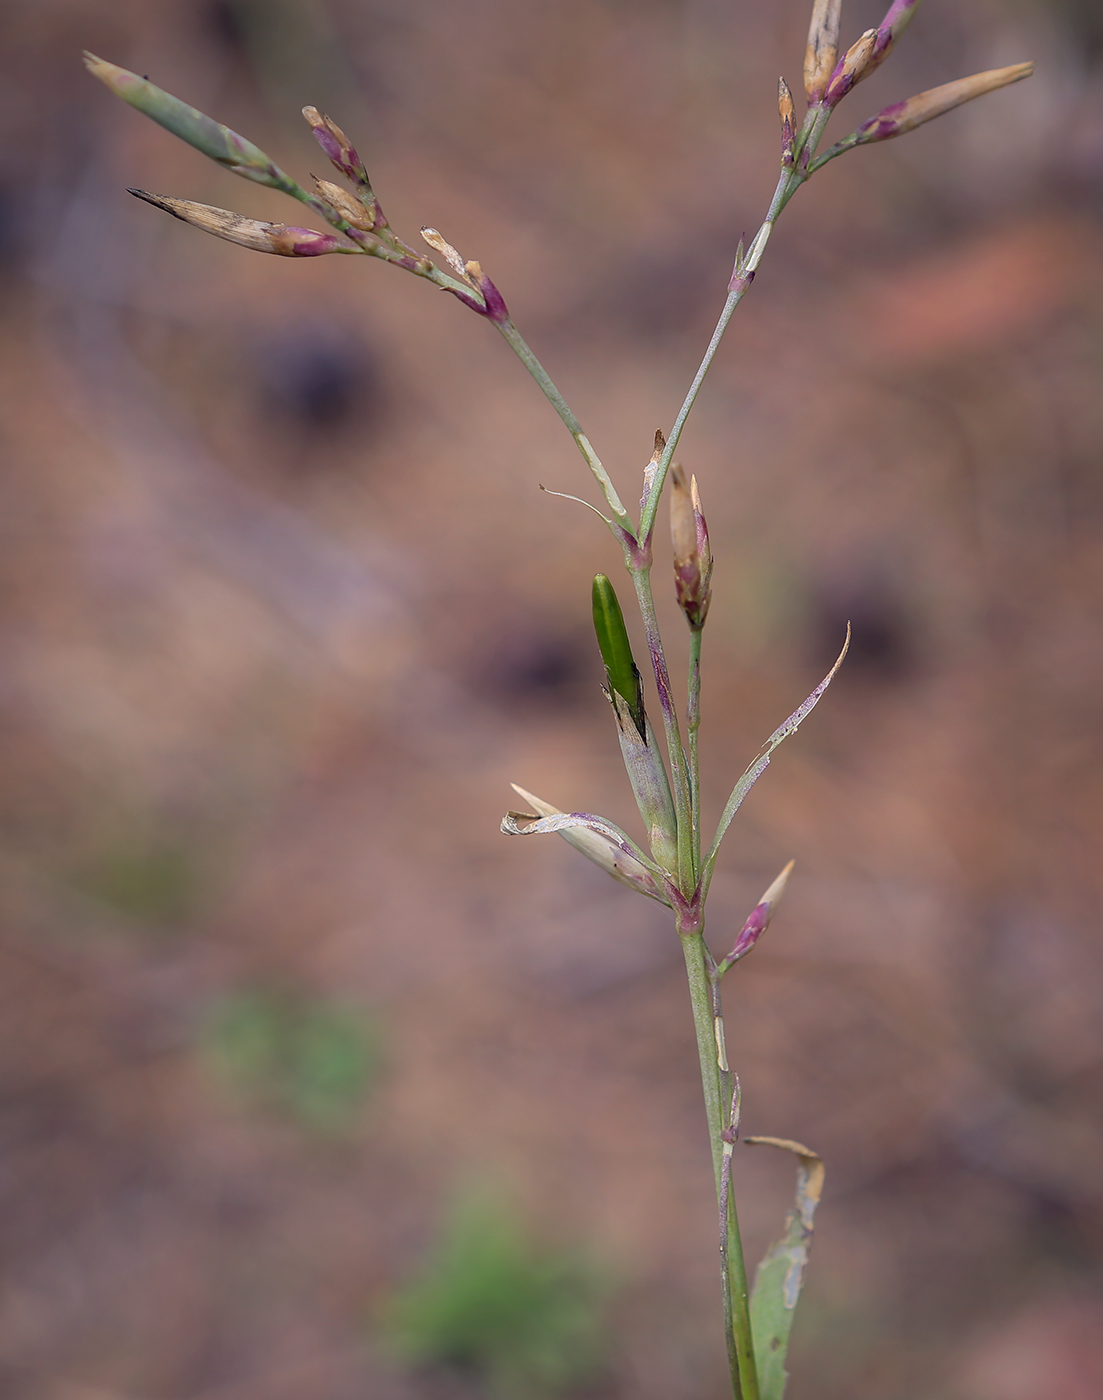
{"x": 792, "y": 177}
{"x": 725, "y": 1272}
{"x": 693, "y": 724}
{"x": 516, "y": 342}
{"x": 679, "y": 776}
{"x": 716, "y": 1081}
{"x": 790, "y": 181}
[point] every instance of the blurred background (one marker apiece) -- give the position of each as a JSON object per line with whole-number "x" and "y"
{"x": 311, "y": 1083}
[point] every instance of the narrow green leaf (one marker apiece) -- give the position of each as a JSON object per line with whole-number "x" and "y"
{"x": 616, "y": 650}
{"x": 762, "y": 762}
{"x": 780, "y": 1275}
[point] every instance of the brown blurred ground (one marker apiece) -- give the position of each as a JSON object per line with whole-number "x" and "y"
{"x": 283, "y": 612}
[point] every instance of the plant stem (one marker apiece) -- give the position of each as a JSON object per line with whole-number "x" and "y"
{"x": 687, "y": 873}
{"x": 693, "y": 724}
{"x": 517, "y": 344}
{"x": 715, "y": 1078}
{"x": 725, "y": 1271}
{"x": 790, "y": 181}
{"x": 729, "y": 1139}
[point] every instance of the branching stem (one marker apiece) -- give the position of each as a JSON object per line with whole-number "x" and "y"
{"x": 517, "y": 344}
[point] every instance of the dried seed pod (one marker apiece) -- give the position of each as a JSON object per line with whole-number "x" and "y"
{"x": 286, "y": 240}
{"x": 823, "y": 47}
{"x": 361, "y": 212}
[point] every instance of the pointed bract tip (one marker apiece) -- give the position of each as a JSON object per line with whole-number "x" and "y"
{"x": 116, "y": 78}
{"x": 772, "y": 897}
{"x": 759, "y": 919}
{"x": 536, "y": 803}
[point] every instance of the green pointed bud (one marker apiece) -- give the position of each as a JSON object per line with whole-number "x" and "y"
{"x": 194, "y": 127}
{"x": 616, "y": 651}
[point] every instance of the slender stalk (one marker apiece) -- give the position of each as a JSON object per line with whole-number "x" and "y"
{"x": 791, "y": 179}
{"x": 741, "y": 280}
{"x": 701, "y": 969}
{"x": 725, "y": 1270}
{"x": 693, "y": 724}
{"x": 517, "y": 344}
{"x": 714, "y": 1076}
{"x": 641, "y": 578}
{"x": 789, "y": 182}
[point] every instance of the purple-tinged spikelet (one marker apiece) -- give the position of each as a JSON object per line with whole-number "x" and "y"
{"x": 489, "y": 301}
{"x": 340, "y": 150}
{"x": 900, "y": 117}
{"x": 496, "y": 309}
{"x": 759, "y": 919}
{"x": 785, "y": 111}
{"x": 692, "y": 555}
{"x": 851, "y": 68}
{"x": 870, "y": 51}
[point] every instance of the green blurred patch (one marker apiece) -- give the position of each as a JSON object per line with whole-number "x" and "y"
{"x": 524, "y": 1321}
{"x": 312, "y": 1060}
{"x": 151, "y": 881}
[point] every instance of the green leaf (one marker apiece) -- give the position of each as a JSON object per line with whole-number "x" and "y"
{"x": 780, "y": 1275}
{"x": 762, "y": 762}
{"x": 616, "y": 650}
